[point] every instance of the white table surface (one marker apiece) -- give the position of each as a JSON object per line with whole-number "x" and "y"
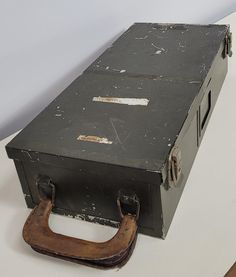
{"x": 202, "y": 239}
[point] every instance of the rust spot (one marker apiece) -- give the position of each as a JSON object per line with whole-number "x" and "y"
{"x": 94, "y": 139}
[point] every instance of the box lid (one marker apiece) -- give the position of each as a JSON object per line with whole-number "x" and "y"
{"x": 128, "y": 107}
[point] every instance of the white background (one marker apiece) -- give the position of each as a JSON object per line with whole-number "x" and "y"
{"x": 45, "y": 44}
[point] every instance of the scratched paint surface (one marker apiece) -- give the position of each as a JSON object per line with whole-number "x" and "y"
{"x": 129, "y": 105}
{"x": 173, "y": 52}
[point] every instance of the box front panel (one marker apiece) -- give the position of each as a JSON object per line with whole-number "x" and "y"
{"x": 90, "y": 192}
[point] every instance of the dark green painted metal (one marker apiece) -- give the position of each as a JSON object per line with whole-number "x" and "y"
{"x": 178, "y": 70}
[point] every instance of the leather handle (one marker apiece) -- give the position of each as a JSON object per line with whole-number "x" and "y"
{"x": 114, "y": 252}
{"x": 232, "y": 271}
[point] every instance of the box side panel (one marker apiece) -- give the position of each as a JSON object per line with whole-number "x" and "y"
{"x": 170, "y": 197}
{"x": 213, "y": 87}
{"x": 90, "y": 192}
{"x": 190, "y": 138}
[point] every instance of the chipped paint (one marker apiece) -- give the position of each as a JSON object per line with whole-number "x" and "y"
{"x": 94, "y": 139}
{"x": 125, "y": 101}
{"x": 158, "y": 52}
{"x": 97, "y": 220}
{"x": 203, "y": 68}
{"x": 142, "y": 37}
{"x": 27, "y": 153}
{"x": 159, "y": 49}
{"x": 194, "y": 82}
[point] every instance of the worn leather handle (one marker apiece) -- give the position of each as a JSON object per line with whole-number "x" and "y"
{"x": 114, "y": 252}
{"x": 232, "y": 271}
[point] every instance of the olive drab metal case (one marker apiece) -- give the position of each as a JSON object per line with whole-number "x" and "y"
{"x": 133, "y": 121}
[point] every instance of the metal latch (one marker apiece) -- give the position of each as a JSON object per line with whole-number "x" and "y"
{"x": 174, "y": 166}
{"x": 228, "y": 45}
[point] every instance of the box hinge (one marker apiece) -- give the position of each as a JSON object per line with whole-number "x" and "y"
{"x": 228, "y": 45}
{"x": 174, "y": 166}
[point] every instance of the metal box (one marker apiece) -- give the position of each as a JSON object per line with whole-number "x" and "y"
{"x": 133, "y": 121}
